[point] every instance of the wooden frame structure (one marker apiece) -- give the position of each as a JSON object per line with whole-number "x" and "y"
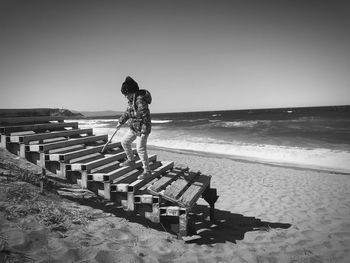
{"x": 74, "y": 155}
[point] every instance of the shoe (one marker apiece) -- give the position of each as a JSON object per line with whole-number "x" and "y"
{"x": 128, "y": 163}
{"x": 144, "y": 175}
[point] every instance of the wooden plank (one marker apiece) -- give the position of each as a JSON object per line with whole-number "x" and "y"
{"x": 86, "y": 158}
{"x": 194, "y": 191}
{"x": 144, "y": 188}
{"x": 70, "y": 142}
{"x": 174, "y": 190}
{"x": 107, "y": 190}
{"x": 101, "y": 193}
{"x": 83, "y": 182}
{"x": 62, "y": 168}
{"x": 121, "y": 188}
{"x": 139, "y": 183}
{"x": 163, "y": 182}
{"x": 154, "y": 216}
{"x": 51, "y": 140}
{"x": 146, "y": 199}
{"x": 70, "y": 155}
{"x": 64, "y": 150}
{"x": 2, "y": 141}
{"x": 172, "y": 211}
{"x": 134, "y": 186}
{"x": 125, "y": 178}
{"x": 22, "y": 133}
{"x": 48, "y": 135}
{"x": 38, "y": 127}
{"x": 105, "y": 160}
{"x": 183, "y": 220}
{"x": 123, "y": 170}
{"x": 40, "y": 119}
{"x": 14, "y": 137}
{"x": 22, "y": 151}
{"x": 98, "y": 163}
{"x": 108, "y": 167}
{"x": 96, "y": 177}
{"x": 168, "y": 178}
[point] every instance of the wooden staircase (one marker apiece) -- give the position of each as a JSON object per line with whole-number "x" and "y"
{"x": 74, "y": 155}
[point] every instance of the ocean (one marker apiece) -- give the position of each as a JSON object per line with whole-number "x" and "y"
{"x": 314, "y": 137}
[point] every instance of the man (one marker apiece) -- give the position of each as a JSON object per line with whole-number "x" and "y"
{"x": 138, "y": 114}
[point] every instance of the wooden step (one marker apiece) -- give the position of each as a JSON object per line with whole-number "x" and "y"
{"x": 125, "y": 180}
{"x": 70, "y": 142}
{"x": 166, "y": 180}
{"x": 129, "y": 203}
{"x": 123, "y": 170}
{"x": 86, "y": 158}
{"x": 106, "y": 168}
{"x": 38, "y": 127}
{"x": 122, "y": 183}
{"x": 51, "y": 140}
{"x": 65, "y": 150}
{"x": 179, "y": 186}
{"x": 22, "y": 133}
{"x": 40, "y": 119}
{"x": 183, "y": 189}
{"x": 68, "y": 156}
{"x": 194, "y": 191}
{"x": 162, "y": 169}
{"x": 48, "y": 135}
{"x": 91, "y": 165}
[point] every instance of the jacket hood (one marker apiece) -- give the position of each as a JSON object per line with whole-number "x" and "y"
{"x": 145, "y": 94}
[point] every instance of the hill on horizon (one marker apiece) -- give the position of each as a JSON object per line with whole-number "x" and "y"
{"x": 99, "y": 113}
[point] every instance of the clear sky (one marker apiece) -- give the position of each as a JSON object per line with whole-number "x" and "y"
{"x": 191, "y": 55}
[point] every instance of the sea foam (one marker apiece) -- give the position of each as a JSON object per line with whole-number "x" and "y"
{"x": 311, "y": 157}
{"x": 317, "y": 158}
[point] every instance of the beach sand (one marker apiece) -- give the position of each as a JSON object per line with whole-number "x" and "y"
{"x": 264, "y": 213}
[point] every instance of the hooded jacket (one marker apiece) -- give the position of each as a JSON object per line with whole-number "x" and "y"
{"x": 137, "y": 112}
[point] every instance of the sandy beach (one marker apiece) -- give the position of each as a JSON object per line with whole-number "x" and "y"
{"x": 264, "y": 213}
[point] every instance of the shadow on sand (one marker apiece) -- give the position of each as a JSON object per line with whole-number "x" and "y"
{"x": 227, "y": 226}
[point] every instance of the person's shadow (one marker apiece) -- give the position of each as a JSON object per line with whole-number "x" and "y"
{"x": 227, "y": 226}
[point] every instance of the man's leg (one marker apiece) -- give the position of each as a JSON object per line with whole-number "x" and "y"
{"x": 128, "y": 138}
{"x": 141, "y": 147}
